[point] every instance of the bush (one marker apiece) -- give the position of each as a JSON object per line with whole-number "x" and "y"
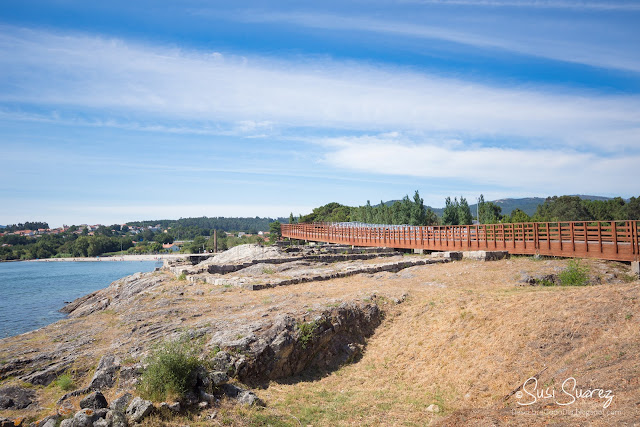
{"x": 305, "y": 333}
{"x": 64, "y": 381}
{"x": 171, "y": 370}
{"x": 574, "y": 275}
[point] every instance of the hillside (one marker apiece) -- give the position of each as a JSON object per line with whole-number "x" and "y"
{"x": 440, "y": 343}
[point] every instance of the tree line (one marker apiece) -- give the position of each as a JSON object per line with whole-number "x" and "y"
{"x": 457, "y": 212}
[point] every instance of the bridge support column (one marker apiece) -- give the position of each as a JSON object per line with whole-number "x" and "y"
{"x": 635, "y": 268}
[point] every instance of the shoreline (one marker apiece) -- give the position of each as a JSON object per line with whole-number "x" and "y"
{"x": 159, "y": 257}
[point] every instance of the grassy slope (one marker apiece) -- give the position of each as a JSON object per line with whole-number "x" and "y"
{"x": 467, "y": 345}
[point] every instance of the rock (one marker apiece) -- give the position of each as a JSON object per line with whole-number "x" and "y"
{"x": 83, "y": 418}
{"x": 104, "y": 376}
{"x": 14, "y": 397}
{"x": 101, "y": 422}
{"x": 231, "y": 390}
{"x": 67, "y": 422}
{"x": 120, "y": 404}
{"x": 218, "y": 378}
{"x": 249, "y": 398}
{"x": 139, "y": 409}
{"x": 95, "y": 400}
{"x": 6, "y": 422}
{"x": 222, "y": 362}
{"x": 433, "y": 408}
{"x": 116, "y": 419}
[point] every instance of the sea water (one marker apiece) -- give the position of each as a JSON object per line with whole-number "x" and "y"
{"x": 31, "y": 293}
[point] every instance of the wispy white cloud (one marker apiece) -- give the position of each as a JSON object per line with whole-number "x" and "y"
{"x": 539, "y": 39}
{"x": 153, "y": 85}
{"x": 528, "y": 170}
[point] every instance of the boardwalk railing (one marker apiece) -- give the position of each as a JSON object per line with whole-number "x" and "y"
{"x": 613, "y": 240}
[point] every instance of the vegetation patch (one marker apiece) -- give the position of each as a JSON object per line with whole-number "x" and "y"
{"x": 305, "y": 332}
{"x": 171, "y": 370}
{"x": 64, "y": 381}
{"x": 575, "y": 274}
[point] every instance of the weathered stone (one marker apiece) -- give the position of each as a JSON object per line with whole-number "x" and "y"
{"x": 433, "y": 408}
{"x": 139, "y": 409}
{"x": 50, "y": 423}
{"x": 95, "y": 400}
{"x": 66, "y": 422}
{"x": 249, "y": 398}
{"x": 218, "y": 378}
{"x": 104, "y": 376}
{"x": 222, "y": 362}
{"x": 121, "y": 403}
{"x": 101, "y": 422}
{"x": 635, "y": 268}
{"x": 116, "y": 419}
{"x": 16, "y": 397}
{"x": 84, "y": 418}
{"x": 6, "y": 422}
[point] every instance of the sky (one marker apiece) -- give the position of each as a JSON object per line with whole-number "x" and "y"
{"x": 133, "y": 110}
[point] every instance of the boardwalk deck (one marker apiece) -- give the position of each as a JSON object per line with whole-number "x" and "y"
{"x": 612, "y": 240}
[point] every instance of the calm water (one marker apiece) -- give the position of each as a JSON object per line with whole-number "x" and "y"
{"x": 31, "y": 293}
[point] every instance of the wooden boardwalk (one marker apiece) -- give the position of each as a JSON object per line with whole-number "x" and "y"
{"x": 612, "y": 240}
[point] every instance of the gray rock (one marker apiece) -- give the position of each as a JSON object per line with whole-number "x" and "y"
{"x": 95, "y": 400}
{"x": 67, "y": 423}
{"x": 16, "y": 397}
{"x": 6, "y": 422}
{"x": 218, "y": 378}
{"x": 104, "y": 376}
{"x": 50, "y": 423}
{"x": 116, "y": 419}
{"x": 222, "y": 362}
{"x": 83, "y": 418}
{"x": 249, "y": 398}
{"x": 121, "y": 403}
{"x": 139, "y": 409}
{"x": 101, "y": 422}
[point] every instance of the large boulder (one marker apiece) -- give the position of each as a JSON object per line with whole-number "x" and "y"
{"x": 95, "y": 400}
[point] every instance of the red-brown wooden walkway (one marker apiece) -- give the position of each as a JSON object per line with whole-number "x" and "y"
{"x": 613, "y": 240}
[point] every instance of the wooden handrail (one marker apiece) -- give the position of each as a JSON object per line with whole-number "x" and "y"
{"x": 613, "y": 240}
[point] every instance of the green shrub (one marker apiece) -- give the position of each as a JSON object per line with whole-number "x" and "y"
{"x": 574, "y": 275}
{"x": 171, "y": 370}
{"x": 64, "y": 381}
{"x": 182, "y": 277}
{"x": 305, "y": 333}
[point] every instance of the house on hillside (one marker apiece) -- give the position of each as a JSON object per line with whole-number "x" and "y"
{"x": 171, "y": 247}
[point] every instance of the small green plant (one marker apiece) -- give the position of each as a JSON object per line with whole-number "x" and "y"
{"x": 574, "y": 275}
{"x": 546, "y": 282}
{"x": 628, "y": 316}
{"x": 305, "y": 332}
{"x": 182, "y": 277}
{"x": 64, "y": 381}
{"x": 268, "y": 270}
{"x": 171, "y": 370}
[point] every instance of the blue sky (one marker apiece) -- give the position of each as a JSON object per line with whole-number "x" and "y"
{"x": 119, "y": 111}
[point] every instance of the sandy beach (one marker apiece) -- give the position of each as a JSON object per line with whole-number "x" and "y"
{"x": 158, "y": 257}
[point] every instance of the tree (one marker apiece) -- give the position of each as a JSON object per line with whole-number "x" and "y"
{"x": 292, "y": 220}
{"x": 489, "y": 212}
{"x": 163, "y": 238}
{"x": 464, "y": 212}
{"x": 450, "y": 213}
{"x": 275, "y": 231}
{"x": 417, "y": 216}
{"x": 517, "y": 215}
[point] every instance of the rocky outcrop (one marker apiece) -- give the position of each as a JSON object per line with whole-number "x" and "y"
{"x": 13, "y": 397}
{"x": 288, "y": 346}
